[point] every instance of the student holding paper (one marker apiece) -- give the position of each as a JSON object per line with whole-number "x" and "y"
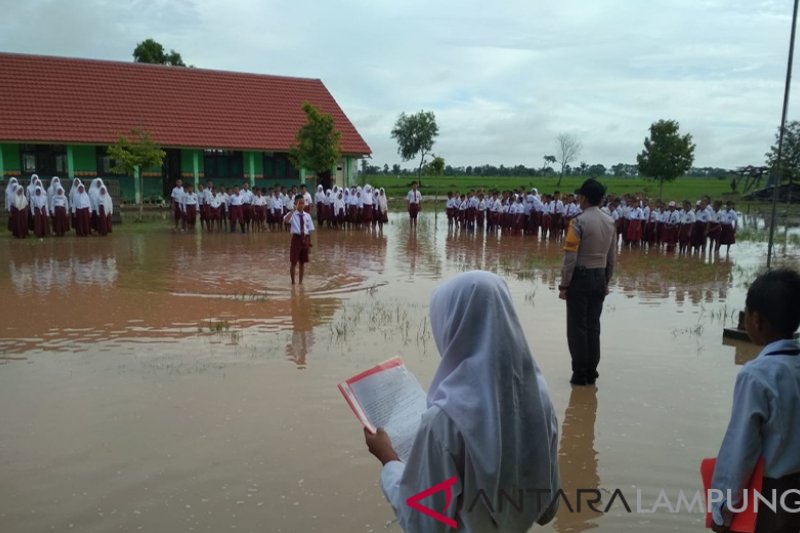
{"x": 765, "y": 420}
{"x": 489, "y": 423}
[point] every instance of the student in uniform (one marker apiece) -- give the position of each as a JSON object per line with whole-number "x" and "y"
{"x": 81, "y": 208}
{"x": 236, "y": 211}
{"x": 301, "y": 225}
{"x": 177, "y": 201}
{"x": 687, "y": 226}
{"x": 105, "y": 209}
{"x": 489, "y": 423}
{"x": 383, "y": 209}
{"x": 700, "y": 230}
{"x": 40, "y": 212}
{"x": 728, "y": 220}
{"x": 73, "y": 197}
{"x": 19, "y": 212}
{"x": 765, "y": 419}
{"x": 413, "y": 199}
{"x": 340, "y": 210}
{"x": 60, "y": 208}
{"x": 11, "y": 192}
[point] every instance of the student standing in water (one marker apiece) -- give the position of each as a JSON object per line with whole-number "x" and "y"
{"x": 489, "y": 423}
{"x": 765, "y": 419}
{"x": 301, "y": 225}
{"x": 19, "y": 213}
{"x": 60, "y": 210}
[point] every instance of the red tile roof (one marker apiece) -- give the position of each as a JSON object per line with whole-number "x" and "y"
{"x": 65, "y": 100}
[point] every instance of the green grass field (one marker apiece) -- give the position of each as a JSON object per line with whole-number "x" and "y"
{"x": 680, "y": 189}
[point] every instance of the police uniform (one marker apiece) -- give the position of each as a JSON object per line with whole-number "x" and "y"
{"x": 590, "y": 255}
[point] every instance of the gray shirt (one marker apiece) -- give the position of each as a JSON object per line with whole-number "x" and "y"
{"x": 590, "y": 243}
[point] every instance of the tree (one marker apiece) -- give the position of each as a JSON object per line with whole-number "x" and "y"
{"x": 666, "y": 154}
{"x": 437, "y": 166}
{"x": 568, "y": 148}
{"x": 151, "y": 51}
{"x": 597, "y": 169}
{"x": 415, "y": 135}
{"x": 396, "y": 169}
{"x": 548, "y": 160}
{"x": 789, "y": 170}
{"x": 317, "y": 147}
{"x": 134, "y": 153}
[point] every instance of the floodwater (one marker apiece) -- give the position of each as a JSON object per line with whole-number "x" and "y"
{"x": 173, "y": 382}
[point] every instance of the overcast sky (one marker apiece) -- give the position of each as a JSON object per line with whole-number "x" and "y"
{"x": 503, "y": 78}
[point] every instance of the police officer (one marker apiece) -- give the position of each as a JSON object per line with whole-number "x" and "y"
{"x": 590, "y": 254}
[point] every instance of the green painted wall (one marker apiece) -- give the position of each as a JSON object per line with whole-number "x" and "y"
{"x": 11, "y": 163}
{"x": 84, "y": 158}
{"x": 186, "y": 160}
{"x": 152, "y": 188}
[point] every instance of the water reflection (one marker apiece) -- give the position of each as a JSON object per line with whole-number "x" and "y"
{"x": 302, "y": 328}
{"x": 578, "y": 461}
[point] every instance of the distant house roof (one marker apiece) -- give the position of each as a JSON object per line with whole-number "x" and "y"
{"x": 61, "y": 100}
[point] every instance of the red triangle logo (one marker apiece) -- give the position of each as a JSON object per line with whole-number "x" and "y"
{"x": 446, "y": 485}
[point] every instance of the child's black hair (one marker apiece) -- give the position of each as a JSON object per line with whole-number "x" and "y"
{"x": 775, "y": 296}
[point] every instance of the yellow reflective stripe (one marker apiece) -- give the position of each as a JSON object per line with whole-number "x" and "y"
{"x": 572, "y": 240}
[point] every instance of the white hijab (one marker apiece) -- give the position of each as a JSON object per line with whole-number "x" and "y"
{"x": 11, "y": 190}
{"x": 73, "y": 190}
{"x": 20, "y": 202}
{"x": 55, "y": 183}
{"x": 489, "y": 385}
{"x": 104, "y": 199}
{"x": 39, "y": 198}
{"x": 33, "y": 184}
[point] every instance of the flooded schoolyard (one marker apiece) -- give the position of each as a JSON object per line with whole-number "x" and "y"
{"x": 171, "y": 382}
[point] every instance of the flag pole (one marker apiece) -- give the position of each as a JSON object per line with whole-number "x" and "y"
{"x": 778, "y": 162}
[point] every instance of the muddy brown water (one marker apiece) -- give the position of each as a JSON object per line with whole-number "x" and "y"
{"x": 173, "y": 382}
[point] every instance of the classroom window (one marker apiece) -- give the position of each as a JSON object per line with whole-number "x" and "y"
{"x": 223, "y": 164}
{"x": 45, "y": 159}
{"x": 278, "y": 166}
{"x": 105, "y": 163}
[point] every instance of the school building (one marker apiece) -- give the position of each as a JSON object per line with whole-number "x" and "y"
{"x": 59, "y": 115}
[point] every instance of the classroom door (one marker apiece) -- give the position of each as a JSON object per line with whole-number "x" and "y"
{"x": 171, "y": 170}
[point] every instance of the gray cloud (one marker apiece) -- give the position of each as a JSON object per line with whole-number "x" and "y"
{"x": 503, "y": 79}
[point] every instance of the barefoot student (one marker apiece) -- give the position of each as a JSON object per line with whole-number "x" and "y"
{"x": 765, "y": 420}
{"x": 301, "y": 226}
{"x": 489, "y": 423}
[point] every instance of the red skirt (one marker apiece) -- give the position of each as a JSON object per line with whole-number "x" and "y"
{"x": 191, "y": 214}
{"x": 367, "y": 214}
{"x": 39, "y": 222}
{"x": 84, "y": 221}
{"x": 20, "y": 223}
{"x": 413, "y": 210}
{"x": 634, "y": 233}
{"x": 298, "y": 251}
{"x": 12, "y": 222}
{"x": 699, "y": 234}
{"x": 176, "y": 208}
{"x": 727, "y": 235}
{"x": 450, "y": 213}
{"x": 685, "y": 234}
{"x": 102, "y": 221}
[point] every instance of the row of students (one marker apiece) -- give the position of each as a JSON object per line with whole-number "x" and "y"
{"x": 513, "y": 212}
{"x": 32, "y": 209}
{"x": 638, "y": 221}
{"x": 657, "y": 224}
{"x": 260, "y": 209}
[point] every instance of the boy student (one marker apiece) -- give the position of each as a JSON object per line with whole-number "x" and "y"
{"x": 765, "y": 420}
{"x": 414, "y": 197}
{"x": 301, "y": 226}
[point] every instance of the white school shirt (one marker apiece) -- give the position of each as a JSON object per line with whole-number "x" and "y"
{"x": 688, "y": 217}
{"x": 728, "y": 217}
{"x": 482, "y": 205}
{"x": 208, "y": 195}
{"x": 177, "y": 195}
{"x": 414, "y": 197}
{"x": 216, "y": 201}
{"x": 246, "y": 197}
{"x": 277, "y": 203}
{"x": 307, "y": 198}
{"x": 40, "y": 201}
{"x": 702, "y": 216}
{"x": 260, "y": 201}
{"x": 235, "y": 199}
{"x": 636, "y": 214}
{"x": 308, "y": 223}
{"x": 765, "y": 422}
{"x": 338, "y": 204}
{"x": 189, "y": 199}
{"x": 655, "y": 215}
{"x": 60, "y": 201}
{"x": 319, "y": 196}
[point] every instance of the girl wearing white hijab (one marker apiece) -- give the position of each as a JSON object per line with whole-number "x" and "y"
{"x": 31, "y": 190}
{"x": 105, "y": 208}
{"x": 59, "y": 210}
{"x": 40, "y": 211}
{"x": 81, "y": 210}
{"x": 11, "y": 192}
{"x": 19, "y": 212}
{"x": 94, "y": 201}
{"x": 73, "y": 196}
{"x": 489, "y": 423}
{"x": 383, "y": 208}
{"x": 55, "y": 183}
